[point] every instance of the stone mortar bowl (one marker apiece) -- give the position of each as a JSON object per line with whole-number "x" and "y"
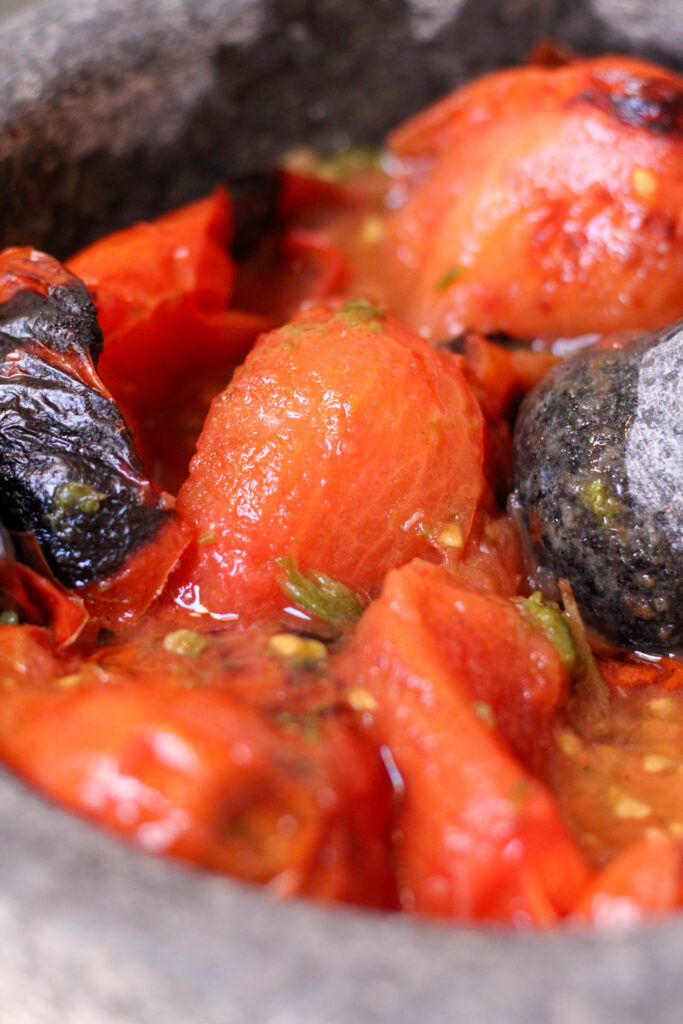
{"x": 114, "y": 110}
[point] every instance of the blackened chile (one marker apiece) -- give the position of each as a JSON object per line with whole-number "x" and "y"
{"x": 599, "y": 480}
{"x": 68, "y": 469}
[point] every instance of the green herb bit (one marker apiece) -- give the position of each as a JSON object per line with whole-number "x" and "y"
{"x": 450, "y": 277}
{"x": 362, "y": 313}
{"x": 74, "y": 498}
{"x": 185, "y": 641}
{"x": 548, "y": 616}
{"x": 299, "y": 329}
{"x": 351, "y": 160}
{"x": 306, "y": 724}
{"x": 9, "y": 618}
{"x": 595, "y": 496}
{"x": 320, "y": 595}
{"x": 210, "y": 537}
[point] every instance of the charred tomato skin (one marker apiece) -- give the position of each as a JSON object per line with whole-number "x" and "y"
{"x": 599, "y": 478}
{"x": 70, "y": 474}
{"x": 543, "y": 202}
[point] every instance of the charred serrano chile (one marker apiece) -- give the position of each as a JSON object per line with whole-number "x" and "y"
{"x": 69, "y": 473}
{"x": 599, "y": 476}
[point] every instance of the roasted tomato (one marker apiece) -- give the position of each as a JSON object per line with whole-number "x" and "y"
{"x": 27, "y": 596}
{"x": 440, "y": 669}
{"x": 162, "y": 292}
{"x": 343, "y": 447}
{"x": 543, "y": 201}
{"x": 156, "y": 741}
{"x": 70, "y": 475}
{"x": 645, "y": 880}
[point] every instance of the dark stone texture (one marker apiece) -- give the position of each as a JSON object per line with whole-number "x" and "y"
{"x": 112, "y": 110}
{"x": 93, "y": 933}
{"x": 599, "y": 480}
{"x": 649, "y": 29}
{"x": 115, "y": 109}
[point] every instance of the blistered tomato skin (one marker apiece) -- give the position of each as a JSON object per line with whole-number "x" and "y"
{"x": 599, "y": 476}
{"x": 70, "y": 473}
{"x": 544, "y": 201}
{"x": 341, "y": 447}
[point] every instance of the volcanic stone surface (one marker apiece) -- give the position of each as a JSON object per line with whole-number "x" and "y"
{"x": 599, "y": 477}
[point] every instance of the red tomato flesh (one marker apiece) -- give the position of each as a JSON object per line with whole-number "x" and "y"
{"x": 162, "y": 747}
{"x": 344, "y": 443}
{"x": 480, "y": 837}
{"x": 162, "y": 292}
{"x": 538, "y": 203}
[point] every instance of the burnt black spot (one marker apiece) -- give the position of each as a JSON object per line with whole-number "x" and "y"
{"x": 57, "y": 431}
{"x": 458, "y": 342}
{"x": 255, "y": 202}
{"x": 455, "y": 344}
{"x": 66, "y": 316}
{"x": 654, "y": 104}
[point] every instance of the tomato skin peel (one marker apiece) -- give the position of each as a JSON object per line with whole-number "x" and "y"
{"x": 343, "y": 443}
{"x": 555, "y": 192}
{"x": 163, "y": 292}
{"x": 70, "y": 473}
{"x": 480, "y": 837}
{"x": 220, "y": 758}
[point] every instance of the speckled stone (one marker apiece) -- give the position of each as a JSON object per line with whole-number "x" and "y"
{"x": 599, "y": 479}
{"x": 115, "y": 109}
{"x": 94, "y": 933}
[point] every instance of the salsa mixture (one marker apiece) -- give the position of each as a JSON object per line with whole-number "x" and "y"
{"x": 343, "y": 513}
